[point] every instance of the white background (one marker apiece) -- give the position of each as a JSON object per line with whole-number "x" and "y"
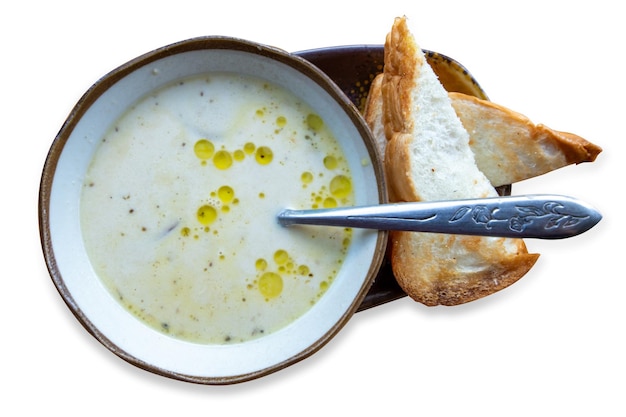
{"x": 552, "y": 344}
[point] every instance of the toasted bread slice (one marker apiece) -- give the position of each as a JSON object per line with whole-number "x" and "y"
{"x": 507, "y": 146}
{"x": 510, "y": 148}
{"x": 428, "y": 157}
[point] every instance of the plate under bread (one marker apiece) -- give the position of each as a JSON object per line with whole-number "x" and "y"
{"x": 352, "y": 68}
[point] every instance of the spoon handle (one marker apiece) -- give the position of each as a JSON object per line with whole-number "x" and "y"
{"x": 526, "y": 216}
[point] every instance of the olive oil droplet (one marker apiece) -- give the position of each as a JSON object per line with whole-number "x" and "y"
{"x": 239, "y": 155}
{"x": 270, "y": 285}
{"x": 223, "y": 159}
{"x": 249, "y": 148}
{"x": 226, "y": 194}
{"x": 207, "y": 214}
{"x": 330, "y": 162}
{"x": 264, "y": 155}
{"x": 306, "y": 177}
{"x": 340, "y": 186}
{"x": 330, "y": 203}
{"x": 314, "y": 122}
{"x": 261, "y": 264}
{"x": 204, "y": 149}
{"x": 281, "y": 257}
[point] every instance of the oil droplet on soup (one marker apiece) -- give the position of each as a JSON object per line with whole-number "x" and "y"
{"x": 314, "y": 122}
{"x": 330, "y": 202}
{"x": 222, "y": 159}
{"x": 341, "y": 186}
{"x": 204, "y": 149}
{"x": 193, "y": 249}
{"x": 264, "y": 155}
{"x": 249, "y": 148}
{"x": 306, "y": 177}
{"x": 281, "y": 257}
{"x": 303, "y": 270}
{"x": 226, "y": 194}
{"x": 261, "y": 264}
{"x": 330, "y": 162}
{"x": 281, "y": 121}
{"x": 239, "y": 155}
{"x": 207, "y": 214}
{"x": 270, "y": 285}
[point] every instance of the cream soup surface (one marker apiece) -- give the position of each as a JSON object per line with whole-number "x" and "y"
{"x": 179, "y": 203}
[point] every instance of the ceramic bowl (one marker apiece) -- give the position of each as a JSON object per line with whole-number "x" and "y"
{"x": 96, "y": 307}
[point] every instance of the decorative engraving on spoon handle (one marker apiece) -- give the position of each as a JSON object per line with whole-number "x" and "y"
{"x": 543, "y": 219}
{"x": 529, "y": 216}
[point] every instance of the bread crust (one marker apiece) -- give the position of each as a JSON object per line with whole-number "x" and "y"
{"x": 373, "y": 114}
{"x": 403, "y": 61}
{"x": 437, "y": 269}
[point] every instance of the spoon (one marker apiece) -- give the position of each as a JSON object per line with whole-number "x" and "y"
{"x": 527, "y": 216}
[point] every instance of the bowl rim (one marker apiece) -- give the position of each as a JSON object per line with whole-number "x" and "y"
{"x": 107, "y": 81}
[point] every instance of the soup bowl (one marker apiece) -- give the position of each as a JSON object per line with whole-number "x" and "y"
{"x": 174, "y": 146}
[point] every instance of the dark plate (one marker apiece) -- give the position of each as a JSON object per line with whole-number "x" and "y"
{"x": 353, "y": 68}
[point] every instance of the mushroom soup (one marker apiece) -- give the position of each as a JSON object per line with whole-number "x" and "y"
{"x": 179, "y": 203}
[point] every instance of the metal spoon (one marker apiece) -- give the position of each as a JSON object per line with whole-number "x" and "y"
{"x": 526, "y": 216}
